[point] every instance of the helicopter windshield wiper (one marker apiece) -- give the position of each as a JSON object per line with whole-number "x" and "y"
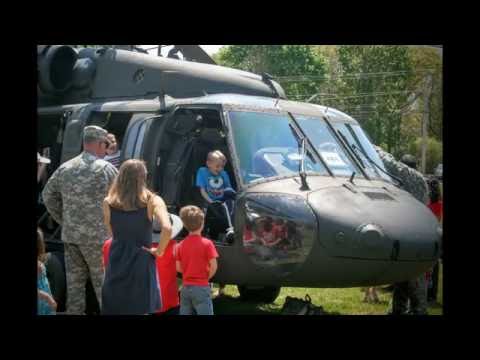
{"x": 314, "y": 154}
{"x": 351, "y": 147}
{"x": 355, "y": 151}
{"x": 400, "y": 182}
{"x": 301, "y": 168}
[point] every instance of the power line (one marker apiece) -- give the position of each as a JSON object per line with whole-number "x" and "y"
{"x": 351, "y": 75}
{"x": 361, "y": 95}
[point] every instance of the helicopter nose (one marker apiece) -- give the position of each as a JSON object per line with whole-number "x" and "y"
{"x": 376, "y": 225}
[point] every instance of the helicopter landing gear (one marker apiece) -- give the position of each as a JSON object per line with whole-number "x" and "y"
{"x": 263, "y": 294}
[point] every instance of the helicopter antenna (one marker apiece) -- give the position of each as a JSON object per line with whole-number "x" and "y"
{"x": 267, "y": 79}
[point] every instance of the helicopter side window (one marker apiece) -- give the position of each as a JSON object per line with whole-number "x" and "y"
{"x": 49, "y": 141}
{"x": 266, "y": 146}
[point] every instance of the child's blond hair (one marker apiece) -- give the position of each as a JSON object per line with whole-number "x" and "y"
{"x": 216, "y": 155}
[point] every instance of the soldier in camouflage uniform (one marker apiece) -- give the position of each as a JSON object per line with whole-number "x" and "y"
{"x": 74, "y": 197}
{"x": 414, "y": 182}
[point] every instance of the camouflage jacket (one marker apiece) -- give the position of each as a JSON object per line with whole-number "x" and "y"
{"x": 74, "y": 197}
{"x": 413, "y": 181}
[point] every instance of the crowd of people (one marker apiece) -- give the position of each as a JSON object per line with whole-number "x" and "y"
{"x": 107, "y": 216}
{"x": 411, "y": 297}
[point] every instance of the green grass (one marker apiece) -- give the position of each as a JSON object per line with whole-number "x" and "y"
{"x": 334, "y": 301}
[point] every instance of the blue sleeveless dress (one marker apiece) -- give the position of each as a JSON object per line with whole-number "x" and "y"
{"x": 42, "y": 284}
{"x": 131, "y": 286}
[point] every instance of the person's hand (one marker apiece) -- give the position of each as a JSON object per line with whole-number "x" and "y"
{"x": 153, "y": 251}
{"x": 51, "y": 302}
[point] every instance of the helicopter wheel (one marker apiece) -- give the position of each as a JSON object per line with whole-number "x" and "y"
{"x": 263, "y": 294}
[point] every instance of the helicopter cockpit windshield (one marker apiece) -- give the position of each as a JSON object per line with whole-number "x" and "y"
{"x": 267, "y": 146}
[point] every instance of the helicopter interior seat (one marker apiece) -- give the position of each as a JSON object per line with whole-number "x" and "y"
{"x": 269, "y": 162}
{"x": 208, "y": 140}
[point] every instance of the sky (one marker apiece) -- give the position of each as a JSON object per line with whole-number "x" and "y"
{"x": 210, "y": 49}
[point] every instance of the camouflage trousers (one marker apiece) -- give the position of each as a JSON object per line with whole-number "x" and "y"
{"x": 81, "y": 262}
{"x": 414, "y": 291}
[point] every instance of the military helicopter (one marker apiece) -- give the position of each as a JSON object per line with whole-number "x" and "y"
{"x": 314, "y": 207}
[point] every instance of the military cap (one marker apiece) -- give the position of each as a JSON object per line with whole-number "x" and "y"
{"x": 94, "y": 133}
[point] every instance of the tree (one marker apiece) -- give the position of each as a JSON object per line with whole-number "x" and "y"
{"x": 279, "y": 61}
{"x": 375, "y": 89}
{"x": 431, "y": 60}
{"x": 434, "y": 151}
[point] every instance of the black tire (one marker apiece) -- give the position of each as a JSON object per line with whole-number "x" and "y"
{"x": 56, "y": 279}
{"x": 262, "y": 294}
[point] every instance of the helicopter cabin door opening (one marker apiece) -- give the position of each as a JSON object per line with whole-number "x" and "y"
{"x": 50, "y": 139}
{"x": 115, "y": 123}
{"x": 190, "y": 134}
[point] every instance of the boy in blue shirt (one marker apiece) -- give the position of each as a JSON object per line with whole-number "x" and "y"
{"x": 214, "y": 184}
{"x": 213, "y": 180}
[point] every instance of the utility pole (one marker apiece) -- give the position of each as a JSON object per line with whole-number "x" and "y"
{"x": 426, "y": 115}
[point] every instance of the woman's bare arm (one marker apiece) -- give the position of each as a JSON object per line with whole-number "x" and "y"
{"x": 160, "y": 213}
{"x": 106, "y": 217}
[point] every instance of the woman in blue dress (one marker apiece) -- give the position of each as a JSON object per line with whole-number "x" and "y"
{"x": 46, "y": 305}
{"x": 131, "y": 286}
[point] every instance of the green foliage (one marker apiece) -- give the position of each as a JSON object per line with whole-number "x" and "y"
{"x": 375, "y": 100}
{"x": 427, "y": 58}
{"x": 434, "y": 152}
{"x": 277, "y": 60}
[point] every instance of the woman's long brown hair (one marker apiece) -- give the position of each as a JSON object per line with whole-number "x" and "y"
{"x": 129, "y": 190}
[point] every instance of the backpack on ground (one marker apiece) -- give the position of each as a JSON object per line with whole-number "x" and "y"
{"x": 296, "y": 306}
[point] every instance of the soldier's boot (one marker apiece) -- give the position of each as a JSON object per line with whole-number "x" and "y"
{"x": 399, "y": 299}
{"x": 418, "y": 296}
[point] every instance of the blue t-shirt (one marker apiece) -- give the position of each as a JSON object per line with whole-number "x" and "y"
{"x": 214, "y": 185}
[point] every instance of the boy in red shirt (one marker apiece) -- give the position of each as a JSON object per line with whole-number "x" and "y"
{"x": 196, "y": 259}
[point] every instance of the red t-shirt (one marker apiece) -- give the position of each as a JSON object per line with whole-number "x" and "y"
{"x": 194, "y": 254}
{"x": 166, "y": 274}
{"x": 437, "y": 209}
